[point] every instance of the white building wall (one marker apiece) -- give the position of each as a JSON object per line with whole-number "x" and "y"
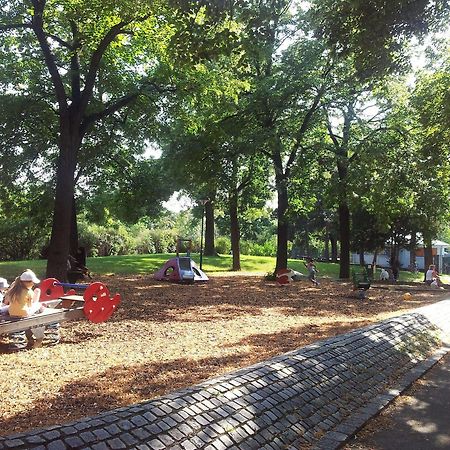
{"x": 383, "y": 259}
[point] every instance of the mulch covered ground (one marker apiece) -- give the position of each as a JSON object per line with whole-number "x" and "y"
{"x": 168, "y": 336}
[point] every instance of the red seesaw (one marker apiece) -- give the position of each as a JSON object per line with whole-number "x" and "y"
{"x": 95, "y": 304}
{"x": 98, "y": 307}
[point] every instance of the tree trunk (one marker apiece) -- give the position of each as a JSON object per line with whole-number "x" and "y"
{"x": 64, "y": 193}
{"x": 73, "y": 246}
{"x": 326, "y": 252}
{"x": 374, "y": 263}
{"x": 282, "y": 228}
{"x": 412, "y": 251}
{"x": 334, "y": 249}
{"x": 344, "y": 237}
{"x": 362, "y": 261}
{"x": 307, "y": 241}
{"x": 235, "y": 233}
{"x": 209, "y": 230}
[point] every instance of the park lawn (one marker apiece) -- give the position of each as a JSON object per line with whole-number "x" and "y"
{"x": 148, "y": 264}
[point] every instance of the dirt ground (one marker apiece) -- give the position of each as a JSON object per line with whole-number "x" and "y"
{"x": 168, "y": 336}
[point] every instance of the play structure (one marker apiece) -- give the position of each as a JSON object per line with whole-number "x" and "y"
{"x": 95, "y": 304}
{"x": 286, "y": 276}
{"x": 181, "y": 269}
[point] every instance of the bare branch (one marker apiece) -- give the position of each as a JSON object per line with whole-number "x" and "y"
{"x": 97, "y": 57}
{"x": 333, "y": 137}
{"x": 95, "y": 63}
{"x": 59, "y": 41}
{"x": 305, "y": 124}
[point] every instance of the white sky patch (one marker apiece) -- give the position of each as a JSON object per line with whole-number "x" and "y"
{"x": 272, "y": 203}
{"x": 178, "y": 202}
{"x": 152, "y": 151}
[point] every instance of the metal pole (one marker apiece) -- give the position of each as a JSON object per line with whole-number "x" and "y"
{"x": 201, "y": 239}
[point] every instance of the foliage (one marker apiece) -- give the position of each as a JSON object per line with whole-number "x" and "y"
{"x": 223, "y": 245}
{"x": 93, "y": 68}
{"x": 246, "y": 98}
{"x": 115, "y": 238}
{"x": 136, "y": 193}
{"x": 264, "y": 248}
{"x": 20, "y": 239}
{"x": 375, "y": 33}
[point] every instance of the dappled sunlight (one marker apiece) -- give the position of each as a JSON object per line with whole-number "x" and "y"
{"x": 180, "y": 334}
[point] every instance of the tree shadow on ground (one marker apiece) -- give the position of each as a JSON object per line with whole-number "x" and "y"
{"x": 277, "y": 343}
{"x": 79, "y": 337}
{"x": 116, "y": 387}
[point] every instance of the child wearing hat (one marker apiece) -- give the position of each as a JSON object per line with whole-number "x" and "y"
{"x": 21, "y": 298}
{"x": 23, "y": 301}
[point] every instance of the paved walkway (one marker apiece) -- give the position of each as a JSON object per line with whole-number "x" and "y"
{"x": 317, "y": 396}
{"x": 420, "y": 422}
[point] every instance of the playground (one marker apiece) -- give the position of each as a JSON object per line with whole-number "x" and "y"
{"x": 166, "y": 336}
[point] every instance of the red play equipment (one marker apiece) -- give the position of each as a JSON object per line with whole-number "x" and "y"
{"x": 98, "y": 304}
{"x": 95, "y": 304}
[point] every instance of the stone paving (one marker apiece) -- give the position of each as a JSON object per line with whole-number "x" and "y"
{"x": 314, "y": 397}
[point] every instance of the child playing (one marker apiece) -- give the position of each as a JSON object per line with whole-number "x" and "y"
{"x": 312, "y": 270}
{"x": 432, "y": 276}
{"x": 24, "y": 302}
{"x": 384, "y": 274}
{"x": 21, "y": 298}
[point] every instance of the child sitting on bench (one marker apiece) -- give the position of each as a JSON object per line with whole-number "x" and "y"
{"x": 23, "y": 302}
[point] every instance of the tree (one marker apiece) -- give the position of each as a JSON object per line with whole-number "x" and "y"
{"x": 375, "y": 33}
{"x": 430, "y": 100}
{"x": 286, "y": 92}
{"x": 93, "y": 61}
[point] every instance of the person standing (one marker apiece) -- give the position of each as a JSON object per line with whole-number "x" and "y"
{"x": 312, "y": 270}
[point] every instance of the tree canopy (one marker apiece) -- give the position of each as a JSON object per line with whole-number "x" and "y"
{"x": 310, "y": 101}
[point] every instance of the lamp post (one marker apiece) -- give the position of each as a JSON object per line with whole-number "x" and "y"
{"x": 203, "y": 203}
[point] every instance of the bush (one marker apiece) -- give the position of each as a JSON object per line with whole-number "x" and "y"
{"x": 267, "y": 248}
{"x": 21, "y": 239}
{"x": 144, "y": 242}
{"x": 223, "y": 245}
{"x": 164, "y": 241}
{"x": 99, "y": 240}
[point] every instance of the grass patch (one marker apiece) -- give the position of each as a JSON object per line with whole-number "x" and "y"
{"x": 148, "y": 264}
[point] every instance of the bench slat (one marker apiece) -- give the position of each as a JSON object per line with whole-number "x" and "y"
{"x": 50, "y": 315}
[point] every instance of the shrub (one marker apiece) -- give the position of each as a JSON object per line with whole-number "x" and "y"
{"x": 143, "y": 240}
{"x": 99, "y": 240}
{"x": 21, "y": 239}
{"x": 164, "y": 241}
{"x": 223, "y": 245}
{"x": 266, "y": 248}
